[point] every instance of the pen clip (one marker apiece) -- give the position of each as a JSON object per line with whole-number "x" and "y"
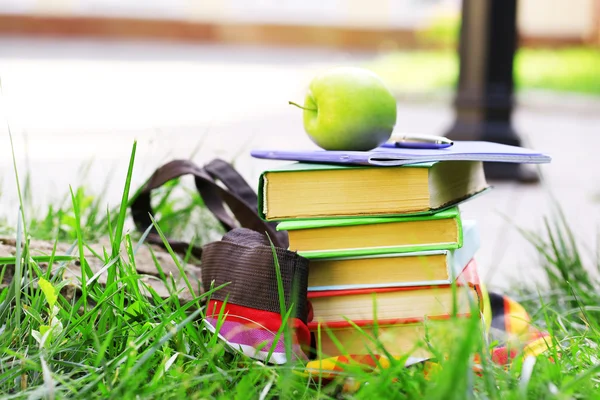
{"x": 418, "y": 141}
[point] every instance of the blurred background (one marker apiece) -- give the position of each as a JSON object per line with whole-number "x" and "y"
{"x": 82, "y": 79}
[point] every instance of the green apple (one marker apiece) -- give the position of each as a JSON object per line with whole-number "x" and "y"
{"x": 348, "y": 108}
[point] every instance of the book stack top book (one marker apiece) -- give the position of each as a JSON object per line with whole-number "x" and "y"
{"x": 315, "y": 191}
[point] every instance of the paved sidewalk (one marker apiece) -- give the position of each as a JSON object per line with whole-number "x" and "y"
{"x": 67, "y": 105}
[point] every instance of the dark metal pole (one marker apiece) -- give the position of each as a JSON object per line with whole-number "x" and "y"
{"x": 484, "y": 100}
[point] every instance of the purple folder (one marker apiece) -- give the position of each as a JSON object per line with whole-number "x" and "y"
{"x": 383, "y": 156}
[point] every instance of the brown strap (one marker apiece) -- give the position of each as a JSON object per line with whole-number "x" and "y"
{"x": 224, "y": 172}
{"x": 237, "y": 195}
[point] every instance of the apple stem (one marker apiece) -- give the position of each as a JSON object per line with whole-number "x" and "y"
{"x": 299, "y": 106}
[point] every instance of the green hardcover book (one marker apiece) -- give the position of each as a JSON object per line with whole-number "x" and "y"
{"x": 309, "y": 191}
{"x": 403, "y": 269}
{"x": 322, "y": 238}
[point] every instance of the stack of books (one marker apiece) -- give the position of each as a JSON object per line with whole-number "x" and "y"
{"x": 390, "y": 256}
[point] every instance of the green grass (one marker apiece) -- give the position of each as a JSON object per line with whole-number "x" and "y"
{"x": 114, "y": 342}
{"x": 561, "y": 70}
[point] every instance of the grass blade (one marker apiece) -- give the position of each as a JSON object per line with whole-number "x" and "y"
{"x": 18, "y": 278}
{"x": 116, "y": 242}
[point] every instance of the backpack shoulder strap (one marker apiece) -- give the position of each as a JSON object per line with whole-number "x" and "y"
{"x": 224, "y": 172}
{"x": 237, "y": 195}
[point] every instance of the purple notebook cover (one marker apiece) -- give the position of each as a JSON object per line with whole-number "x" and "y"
{"x": 383, "y": 156}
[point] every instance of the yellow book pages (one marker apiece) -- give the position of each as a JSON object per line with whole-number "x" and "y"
{"x": 453, "y": 180}
{"x": 375, "y": 235}
{"x": 316, "y": 192}
{"x": 377, "y": 270}
{"x": 409, "y": 304}
{"x": 403, "y": 316}
{"x": 398, "y": 340}
{"x": 345, "y": 192}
